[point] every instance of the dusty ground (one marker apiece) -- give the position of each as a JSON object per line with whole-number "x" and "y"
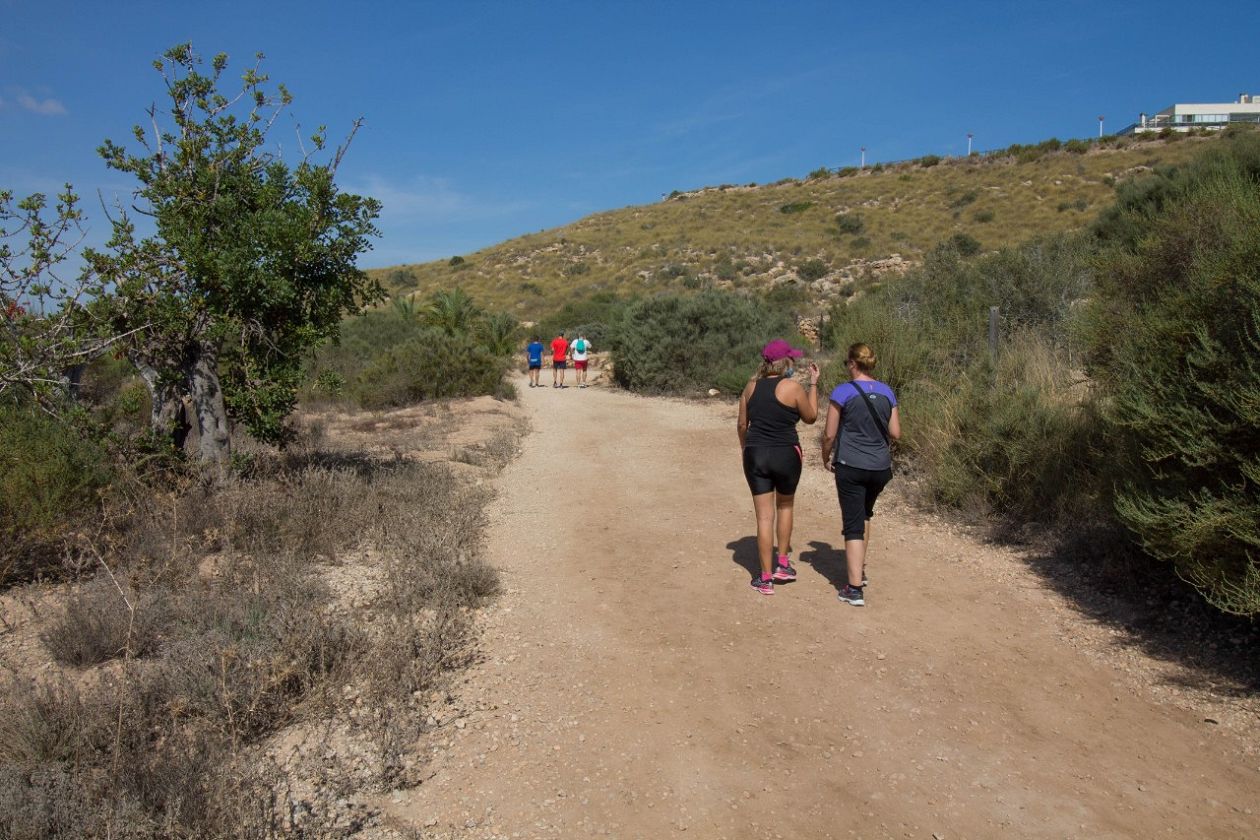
{"x": 632, "y": 684}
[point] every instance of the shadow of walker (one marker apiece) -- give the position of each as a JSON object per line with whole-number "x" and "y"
{"x": 827, "y": 561}
{"x": 744, "y": 555}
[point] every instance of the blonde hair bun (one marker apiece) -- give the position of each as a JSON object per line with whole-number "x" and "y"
{"x": 862, "y": 356}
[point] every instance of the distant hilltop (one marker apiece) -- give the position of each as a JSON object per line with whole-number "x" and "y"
{"x": 816, "y": 238}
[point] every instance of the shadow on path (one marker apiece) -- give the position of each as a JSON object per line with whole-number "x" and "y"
{"x": 828, "y": 562}
{"x": 744, "y": 555}
{"x": 1155, "y": 610}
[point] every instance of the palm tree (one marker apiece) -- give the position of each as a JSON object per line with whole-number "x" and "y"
{"x": 452, "y": 311}
{"x": 499, "y": 332}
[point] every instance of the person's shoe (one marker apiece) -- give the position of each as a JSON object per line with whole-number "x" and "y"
{"x": 864, "y": 580}
{"x": 765, "y": 587}
{"x": 852, "y": 595}
{"x": 784, "y": 571}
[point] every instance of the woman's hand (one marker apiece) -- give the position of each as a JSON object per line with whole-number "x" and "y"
{"x": 813, "y": 373}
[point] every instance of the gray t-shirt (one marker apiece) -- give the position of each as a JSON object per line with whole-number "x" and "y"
{"x": 859, "y": 442}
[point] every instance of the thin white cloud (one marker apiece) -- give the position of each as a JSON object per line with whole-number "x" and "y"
{"x": 431, "y": 199}
{"x": 45, "y": 107}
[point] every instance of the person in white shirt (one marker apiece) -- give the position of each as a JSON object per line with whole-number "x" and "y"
{"x": 579, "y": 350}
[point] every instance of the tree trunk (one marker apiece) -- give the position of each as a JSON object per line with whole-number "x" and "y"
{"x": 166, "y": 413}
{"x": 214, "y": 440}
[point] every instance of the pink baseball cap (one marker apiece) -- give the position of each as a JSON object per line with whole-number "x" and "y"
{"x": 780, "y": 349}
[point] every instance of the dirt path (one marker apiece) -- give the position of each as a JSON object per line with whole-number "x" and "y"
{"x": 634, "y": 686}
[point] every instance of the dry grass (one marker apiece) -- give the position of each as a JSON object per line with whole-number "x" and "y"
{"x": 739, "y": 237}
{"x": 236, "y": 634}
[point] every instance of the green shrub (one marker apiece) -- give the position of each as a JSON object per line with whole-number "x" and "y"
{"x": 811, "y": 270}
{"x": 963, "y": 200}
{"x": 965, "y": 244}
{"x": 455, "y": 262}
{"x": 796, "y": 207}
{"x": 676, "y": 344}
{"x": 928, "y": 160}
{"x": 1175, "y": 346}
{"x": 851, "y": 223}
{"x": 381, "y": 358}
{"x": 52, "y": 476}
{"x": 431, "y": 364}
{"x": 820, "y": 172}
{"x": 1077, "y": 146}
{"x": 984, "y": 216}
{"x": 860, "y": 243}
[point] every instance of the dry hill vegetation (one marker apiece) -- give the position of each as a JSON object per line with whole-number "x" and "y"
{"x": 824, "y": 236}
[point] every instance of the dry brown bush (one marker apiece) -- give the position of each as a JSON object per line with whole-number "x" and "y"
{"x": 235, "y": 635}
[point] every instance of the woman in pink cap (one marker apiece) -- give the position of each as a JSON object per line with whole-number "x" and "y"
{"x": 769, "y": 409}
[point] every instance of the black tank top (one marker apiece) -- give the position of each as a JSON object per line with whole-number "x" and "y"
{"x": 770, "y": 422}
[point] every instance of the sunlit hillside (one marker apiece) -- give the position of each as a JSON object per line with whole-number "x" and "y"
{"x": 823, "y": 235}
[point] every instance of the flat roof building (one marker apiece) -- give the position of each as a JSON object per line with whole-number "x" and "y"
{"x": 1186, "y": 116}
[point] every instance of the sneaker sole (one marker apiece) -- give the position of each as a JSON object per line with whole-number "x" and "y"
{"x": 783, "y": 576}
{"x": 763, "y": 591}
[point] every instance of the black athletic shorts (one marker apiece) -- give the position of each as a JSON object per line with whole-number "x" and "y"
{"x": 858, "y": 490}
{"x": 776, "y": 468}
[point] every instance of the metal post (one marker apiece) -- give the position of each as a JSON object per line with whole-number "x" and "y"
{"x": 969, "y": 144}
{"x": 1100, "y": 125}
{"x": 863, "y": 158}
{"x": 993, "y": 331}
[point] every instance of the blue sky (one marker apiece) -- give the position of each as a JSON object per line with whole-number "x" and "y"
{"x": 486, "y": 120}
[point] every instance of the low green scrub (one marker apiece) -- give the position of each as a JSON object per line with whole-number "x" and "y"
{"x": 678, "y": 344}
{"x": 447, "y": 347}
{"x": 52, "y": 478}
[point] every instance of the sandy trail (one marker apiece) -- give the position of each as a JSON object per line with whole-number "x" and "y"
{"x": 633, "y": 685}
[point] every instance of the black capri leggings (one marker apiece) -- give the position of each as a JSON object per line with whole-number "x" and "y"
{"x": 858, "y": 490}
{"x": 776, "y": 468}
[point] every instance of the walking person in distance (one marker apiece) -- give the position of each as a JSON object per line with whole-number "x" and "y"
{"x": 533, "y": 355}
{"x": 862, "y": 422}
{"x": 769, "y": 408}
{"x": 580, "y": 351}
{"x": 559, "y": 360}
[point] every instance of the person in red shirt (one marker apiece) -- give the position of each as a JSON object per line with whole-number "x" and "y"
{"x": 559, "y": 360}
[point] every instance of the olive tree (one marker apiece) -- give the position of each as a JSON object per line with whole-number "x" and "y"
{"x": 247, "y": 263}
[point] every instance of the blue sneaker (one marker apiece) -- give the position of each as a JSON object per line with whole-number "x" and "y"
{"x": 852, "y": 595}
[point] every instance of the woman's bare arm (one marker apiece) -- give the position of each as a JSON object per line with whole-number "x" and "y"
{"x": 830, "y": 429}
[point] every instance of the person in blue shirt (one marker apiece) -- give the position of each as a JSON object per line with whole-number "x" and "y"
{"x": 862, "y": 422}
{"x": 534, "y": 353}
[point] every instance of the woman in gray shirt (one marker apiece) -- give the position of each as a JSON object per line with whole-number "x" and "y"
{"x": 862, "y": 420}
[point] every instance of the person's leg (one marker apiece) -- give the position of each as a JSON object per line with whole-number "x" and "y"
{"x": 874, "y": 482}
{"x": 783, "y": 527}
{"x": 852, "y": 494}
{"x": 866, "y": 550}
{"x": 555, "y": 375}
{"x": 763, "y": 507}
{"x": 854, "y": 557}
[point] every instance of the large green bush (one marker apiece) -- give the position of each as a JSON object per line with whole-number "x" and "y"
{"x": 1177, "y": 351}
{"x": 428, "y": 365}
{"x": 679, "y": 343}
{"x": 445, "y": 347}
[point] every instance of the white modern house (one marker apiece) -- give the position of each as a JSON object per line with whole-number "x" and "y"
{"x": 1212, "y": 115}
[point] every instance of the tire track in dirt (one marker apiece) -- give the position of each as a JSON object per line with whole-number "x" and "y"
{"x": 634, "y": 686}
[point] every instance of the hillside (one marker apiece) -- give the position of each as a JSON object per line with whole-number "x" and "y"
{"x": 820, "y": 237}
